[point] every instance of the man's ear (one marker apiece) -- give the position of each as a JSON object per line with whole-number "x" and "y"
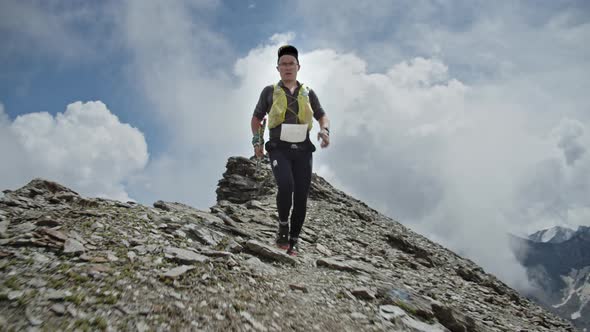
{"x": 278, "y": 68}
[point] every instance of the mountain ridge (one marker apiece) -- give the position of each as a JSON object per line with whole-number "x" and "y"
{"x": 555, "y": 234}
{"x": 71, "y": 262}
{"x": 560, "y": 270}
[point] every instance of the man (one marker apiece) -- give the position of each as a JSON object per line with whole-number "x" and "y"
{"x": 291, "y": 107}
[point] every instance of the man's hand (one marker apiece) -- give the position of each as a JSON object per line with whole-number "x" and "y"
{"x": 259, "y": 151}
{"x": 325, "y": 137}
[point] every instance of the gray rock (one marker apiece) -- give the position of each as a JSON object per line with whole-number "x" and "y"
{"x": 391, "y": 312}
{"x": 184, "y": 256}
{"x": 15, "y": 295}
{"x": 255, "y": 205}
{"x": 37, "y": 282}
{"x": 96, "y": 226}
{"x": 215, "y": 253}
{"x": 40, "y": 258}
{"x": 269, "y": 252}
{"x": 112, "y": 257}
{"x": 203, "y": 235}
{"x": 23, "y": 228}
{"x": 58, "y": 308}
{"x": 167, "y": 219}
{"x": 243, "y": 219}
{"x": 55, "y": 234}
{"x": 162, "y": 205}
{"x": 255, "y": 324}
{"x": 145, "y": 249}
{"x": 468, "y": 274}
{"x": 136, "y": 242}
{"x": 33, "y": 320}
{"x": 57, "y": 295}
{"x": 142, "y": 327}
{"x": 363, "y": 293}
{"x": 403, "y": 322}
{"x": 3, "y": 228}
{"x": 300, "y": 287}
{"x": 206, "y": 217}
{"x": 48, "y": 221}
{"x": 260, "y": 268}
{"x": 323, "y": 250}
{"x": 177, "y": 271}
{"x": 235, "y": 247}
{"x": 72, "y": 246}
{"x": 345, "y": 265}
{"x": 452, "y": 320}
{"x": 358, "y": 316}
{"x": 238, "y": 188}
{"x": 123, "y": 205}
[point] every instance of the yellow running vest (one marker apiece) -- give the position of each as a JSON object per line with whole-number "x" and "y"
{"x": 276, "y": 116}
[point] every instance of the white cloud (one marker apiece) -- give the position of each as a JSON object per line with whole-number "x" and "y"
{"x": 14, "y": 165}
{"x": 568, "y": 133}
{"x": 556, "y": 190}
{"x": 206, "y": 111}
{"x": 86, "y": 148}
{"x": 413, "y": 143}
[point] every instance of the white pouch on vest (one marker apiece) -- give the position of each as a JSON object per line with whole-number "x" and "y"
{"x": 293, "y": 133}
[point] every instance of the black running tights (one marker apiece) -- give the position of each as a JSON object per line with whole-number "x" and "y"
{"x": 292, "y": 171}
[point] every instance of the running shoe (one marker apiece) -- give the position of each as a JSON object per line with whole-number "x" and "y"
{"x": 282, "y": 238}
{"x": 293, "y": 247}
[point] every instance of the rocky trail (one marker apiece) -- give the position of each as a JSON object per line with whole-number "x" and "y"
{"x": 69, "y": 262}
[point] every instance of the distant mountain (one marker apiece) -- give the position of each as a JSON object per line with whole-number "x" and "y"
{"x": 556, "y": 234}
{"x": 558, "y": 264}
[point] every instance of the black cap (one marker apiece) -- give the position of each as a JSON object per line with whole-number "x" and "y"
{"x": 288, "y": 50}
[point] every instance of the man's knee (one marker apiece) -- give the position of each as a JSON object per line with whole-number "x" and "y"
{"x": 300, "y": 197}
{"x": 285, "y": 185}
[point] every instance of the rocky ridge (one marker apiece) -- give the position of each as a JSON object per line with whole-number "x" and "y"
{"x": 75, "y": 263}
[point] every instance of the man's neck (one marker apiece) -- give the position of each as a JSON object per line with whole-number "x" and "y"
{"x": 290, "y": 84}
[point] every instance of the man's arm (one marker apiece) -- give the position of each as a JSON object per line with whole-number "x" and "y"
{"x": 259, "y": 114}
{"x": 256, "y": 126}
{"x": 255, "y": 123}
{"x": 324, "y": 133}
{"x": 324, "y": 123}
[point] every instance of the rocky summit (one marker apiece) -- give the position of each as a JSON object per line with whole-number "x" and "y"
{"x": 75, "y": 263}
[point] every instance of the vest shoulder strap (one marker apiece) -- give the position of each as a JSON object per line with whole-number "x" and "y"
{"x": 304, "y": 90}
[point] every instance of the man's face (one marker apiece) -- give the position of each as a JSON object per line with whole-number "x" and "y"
{"x": 288, "y": 67}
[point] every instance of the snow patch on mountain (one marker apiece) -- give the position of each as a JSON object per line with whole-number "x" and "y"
{"x": 557, "y": 234}
{"x": 569, "y": 281}
{"x": 549, "y": 234}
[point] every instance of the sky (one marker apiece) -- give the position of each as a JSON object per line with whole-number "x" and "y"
{"x": 464, "y": 120}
